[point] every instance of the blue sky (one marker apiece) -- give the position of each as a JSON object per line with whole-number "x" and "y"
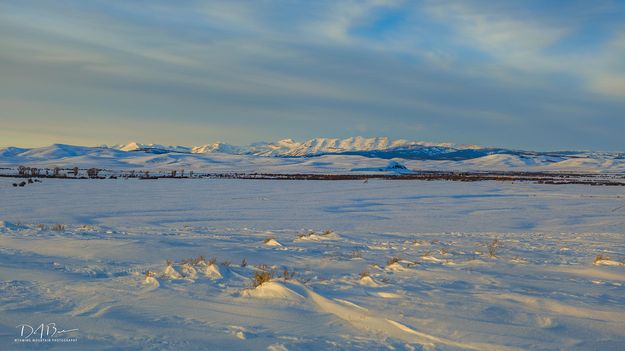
{"x": 526, "y": 74}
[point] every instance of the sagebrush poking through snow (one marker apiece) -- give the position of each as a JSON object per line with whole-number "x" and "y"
{"x": 150, "y": 278}
{"x": 600, "y": 257}
{"x": 303, "y": 235}
{"x": 150, "y": 274}
{"x": 493, "y": 246}
{"x": 364, "y": 273}
{"x": 58, "y": 227}
{"x": 170, "y": 272}
{"x": 199, "y": 260}
{"x": 392, "y": 260}
{"x": 261, "y": 277}
{"x": 603, "y": 260}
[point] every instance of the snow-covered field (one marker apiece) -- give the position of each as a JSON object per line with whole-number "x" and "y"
{"x": 479, "y": 266}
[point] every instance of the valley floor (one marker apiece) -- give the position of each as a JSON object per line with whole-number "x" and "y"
{"x": 403, "y": 265}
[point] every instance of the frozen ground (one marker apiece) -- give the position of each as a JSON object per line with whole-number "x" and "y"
{"x": 541, "y": 291}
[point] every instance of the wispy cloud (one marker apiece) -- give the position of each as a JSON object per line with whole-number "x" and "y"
{"x": 469, "y": 72}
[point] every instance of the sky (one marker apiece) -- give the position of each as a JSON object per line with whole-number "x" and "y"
{"x": 535, "y": 74}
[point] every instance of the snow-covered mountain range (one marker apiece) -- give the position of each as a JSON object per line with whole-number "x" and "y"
{"x": 312, "y": 147}
{"x": 319, "y": 154}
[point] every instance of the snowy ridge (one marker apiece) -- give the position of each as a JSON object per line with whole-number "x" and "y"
{"x": 319, "y": 155}
{"x": 311, "y": 147}
{"x": 321, "y": 146}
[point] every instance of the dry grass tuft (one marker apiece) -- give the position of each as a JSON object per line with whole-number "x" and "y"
{"x": 212, "y": 261}
{"x": 226, "y": 263}
{"x": 244, "y": 263}
{"x": 261, "y": 277}
{"x": 364, "y": 273}
{"x": 169, "y": 263}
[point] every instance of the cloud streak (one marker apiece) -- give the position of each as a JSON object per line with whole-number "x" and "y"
{"x": 465, "y": 71}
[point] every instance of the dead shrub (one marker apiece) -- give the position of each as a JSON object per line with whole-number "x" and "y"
{"x": 261, "y": 277}
{"x": 492, "y": 247}
{"x": 58, "y": 227}
{"x": 198, "y": 260}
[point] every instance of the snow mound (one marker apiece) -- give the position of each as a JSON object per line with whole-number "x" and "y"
{"x": 430, "y": 258}
{"x": 368, "y": 281}
{"x": 211, "y": 271}
{"x": 608, "y": 262}
{"x": 149, "y": 280}
{"x": 171, "y": 273}
{"x": 271, "y": 242}
{"x": 272, "y": 290}
{"x": 395, "y": 267}
{"x": 388, "y": 295}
